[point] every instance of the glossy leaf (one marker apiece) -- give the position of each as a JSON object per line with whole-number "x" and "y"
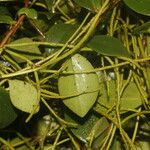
{"x": 7, "y": 112}
{"x": 107, "y": 45}
{"x": 85, "y": 86}
{"x": 29, "y": 12}
{"x": 31, "y": 52}
{"x": 131, "y": 98}
{"x": 93, "y": 5}
{"x": 23, "y": 95}
{"x": 139, "y": 6}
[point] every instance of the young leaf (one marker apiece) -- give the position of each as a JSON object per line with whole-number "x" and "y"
{"x": 82, "y": 88}
{"x": 29, "y": 12}
{"x": 7, "y": 112}
{"x": 107, "y": 45}
{"x": 29, "y": 51}
{"x": 139, "y": 6}
{"x": 23, "y": 95}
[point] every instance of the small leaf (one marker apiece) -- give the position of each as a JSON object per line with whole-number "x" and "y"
{"x": 7, "y": 112}
{"x": 86, "y": 86}
{"x": 29, "y": 51}
{"x": 23, "y": 95}
{"x": 49, "y": 4}
{"x": 139, "y": 6}
{"x": 93, "y": 5}
{"x": 99, "y": 132}
{"x": 6, "y": 19}
{"x": 5, "y": 16}
{"x": 116, "y": 145}
{"x": 4, "y": 11}
{"x": 107, "y": 45}
{"x": 85, "y": 125}
{"x": 43, "y": 21}
{"x": 53, "y": 34}
{"x": 66, "y": 30}
{"x": 131, "y": 98}
{"x": 142, "y": 29}
{"x": 29, "y": 12}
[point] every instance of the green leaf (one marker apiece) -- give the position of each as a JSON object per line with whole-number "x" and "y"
{"x": 142, "y": 29}
{"x": 49, "y": 4}
{"x": 93, "y": 5}
{"x": 31, "y": 52}
{"x": 131, "y": 98}
{"x": 85, "y": 125}
{"x": 29, "y": 12}
{"x": 53, "y": 34}
{"x": 7, "y": 112}
{"x": 23, "y": 95}
{"x": 107, "y": 45}
{"x": 43, "y": 22}
{"x": 82, "y": 89}
{"x": 5, "y": 16}
{"x": 6, "y": 19}
{"x": 139, "y": 6}
{"x": 60, "y": 33}
{"x": 4, "y": 11}
{"x": 116, "y": 145}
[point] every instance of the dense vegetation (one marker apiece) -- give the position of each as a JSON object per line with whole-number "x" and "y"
{"x": 74, "y": 74}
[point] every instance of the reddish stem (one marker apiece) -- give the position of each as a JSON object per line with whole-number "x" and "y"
{"x": 14, "y": 28}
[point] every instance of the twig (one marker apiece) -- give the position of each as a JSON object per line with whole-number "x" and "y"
{"x": 14, "y": 28}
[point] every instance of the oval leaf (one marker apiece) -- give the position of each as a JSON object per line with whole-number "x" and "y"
{"x": 23, "y": 95}
{"x": 84, "y": 85}
{"x": 7, "y": 112}
{"x": 29, "y": 12}
{"x": 107, "y": 45}
{"x": 139, "y": 6}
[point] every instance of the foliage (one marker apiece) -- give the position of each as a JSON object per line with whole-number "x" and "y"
{"x": 74, "y": 74}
